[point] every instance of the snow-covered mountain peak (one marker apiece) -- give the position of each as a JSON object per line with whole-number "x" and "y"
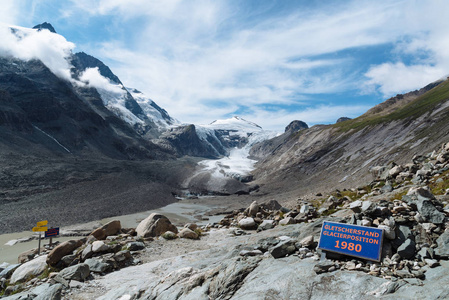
{"x": 234, "y": 123}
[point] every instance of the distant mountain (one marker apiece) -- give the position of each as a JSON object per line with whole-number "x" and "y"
{"x": 329, "y": 157}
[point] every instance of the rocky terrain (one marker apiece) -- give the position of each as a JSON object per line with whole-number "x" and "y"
{"x": 265, "y": 250}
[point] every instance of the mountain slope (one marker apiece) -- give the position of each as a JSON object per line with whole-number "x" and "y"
{"x": 323, "y": 158}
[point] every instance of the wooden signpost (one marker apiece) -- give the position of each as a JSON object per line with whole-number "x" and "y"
{"x": 40, "y": 226}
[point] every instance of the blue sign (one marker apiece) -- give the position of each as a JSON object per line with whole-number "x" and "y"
{"x": 358, "y": 241}
{"x": 52, "y": 232}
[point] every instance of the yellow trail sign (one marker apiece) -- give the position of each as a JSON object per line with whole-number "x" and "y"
{"x": 42, "y": 223}
{"x": 40, "y": 228}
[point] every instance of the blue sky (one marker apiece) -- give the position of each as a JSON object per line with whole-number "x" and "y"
{"x": 270, "y": 62}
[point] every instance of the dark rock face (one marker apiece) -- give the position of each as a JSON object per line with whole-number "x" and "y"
{"x": 184, "y": 140}
{"x": 45, "y": 25}
{"x": 342, "y": 119}
{"x": 296, "y": 126}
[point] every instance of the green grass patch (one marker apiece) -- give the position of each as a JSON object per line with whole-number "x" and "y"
{"x": 421, "y": 105}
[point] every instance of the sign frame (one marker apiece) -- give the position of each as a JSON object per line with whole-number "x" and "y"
{"x": 52, "y": 232}
{"x": 351, "y": 237}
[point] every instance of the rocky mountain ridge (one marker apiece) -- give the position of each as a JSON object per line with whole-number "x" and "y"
{"x": 324, "y": 157}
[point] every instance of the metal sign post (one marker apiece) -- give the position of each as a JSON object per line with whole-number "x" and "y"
{"x": 39, "y": 228}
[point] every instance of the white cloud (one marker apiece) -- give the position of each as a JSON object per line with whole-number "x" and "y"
{"x": 26, "y": 44}
{"x": 393, "y": 78}
{"x": 93, "y": 78}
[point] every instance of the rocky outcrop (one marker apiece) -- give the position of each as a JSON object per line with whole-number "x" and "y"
{"x": 29, "y": 269}
{"x": 62, "y": 250}
{"x": 296, "y": 126}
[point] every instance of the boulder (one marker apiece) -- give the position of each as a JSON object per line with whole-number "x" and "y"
{"x": 155, "y": 225}
{"x": 307, "y": 241}
{"x": 34, "y": 267}
{"x": 287, "y": 221}
{"x": 186, "y": 233}
{"x": 388, "y": 231}
{"x": 77, "y": 272}
{"x": 99, "y": 246}
{"x": 356, "y": 206}
{"x": 443, "y": 245}
{"x": 135, "y": 246}
{"x": 271, "y": 205}
{"x": 266, "y": 224}
{"x": 106, "y": 230}
{"x": 62, "y": 250}
{"x": 96, "y": 265}
{"x": 48, "y": 292}
{"x": 253, "y": 209}
{"x": 27, "y": 256}
{"x": 191, "y": 226}
{"x": 248, "y": 224}
{"x": 87, "y": 252}
{"x": 395, "y": 171}
{"x": 8, "y": 270}
{"x": 122, "y": 256}
{"x": 407, "y": 249}
{"x": 283, "y": 249}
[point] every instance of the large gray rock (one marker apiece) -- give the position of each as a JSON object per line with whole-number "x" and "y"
{"x": 96, "y": 265}
{"x": 283, "y": 249}
{"x": 248, "y": 224}
{"x": 443, "y": 245}
{"x": 99, "y": 246}
{"x": 34, "y": 267}
{"x": 266, "y": 224}
{"x": 253, "y": 209}
{"x": 48, "y": 292}
{"x": 422, "y": 199}
{"x": 186, "y": 233}
{"x": 407, "y": 249}
{"x": 155, "y": 225}
{"x": 77, "y": 272}
{"x": 8, "y": 270}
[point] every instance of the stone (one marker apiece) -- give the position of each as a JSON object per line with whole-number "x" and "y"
{"x": 155, "y": 225}
{"x": 248, "y": 224}
{"x": 48, "y": 292}
{"x": 135, "y": 246}
{"x": 169, "y": 235}
{"x": 395, "y": 171}
{"x": 432, "y": 262}
{"x": 407, "y": 249}
{"x": 266, "y": 224}
{"x": 255, "y": 252}
{"x": 426, "y": 252}
{"x": 307, "y": 241}
{"x": 34, "y": 267}
{"x": 305, "y": 209}
{"x": 96, "y": 265}
{"x": 111, "y": 228}
{"x": 356, "y": 206}
{"x": 271, "y": 205}
{"x": 8, "y": 270}
{"x": 186, "y": 233}
{"x": 388, "y": 231}
{"x": 68, "y": 259}
{"x": 443, "y": 245}
{"x": 402, "y": 234}
{"x": 283, "y": 249}
{"x": 386, "y": 189}
{"x": 253, "y": 209}
{"x": 122, "y": 256}
{"x": 323, "y": 266}
{"x": 99, "y": 246}
{"x": 191, "y": 226}
{"x": 77, "y": 272}
{"x": 62, "y": 250}
{"x": 287, "y": 221}
{"x": 27, "y": 255}
{"x": 87, "y": 252}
